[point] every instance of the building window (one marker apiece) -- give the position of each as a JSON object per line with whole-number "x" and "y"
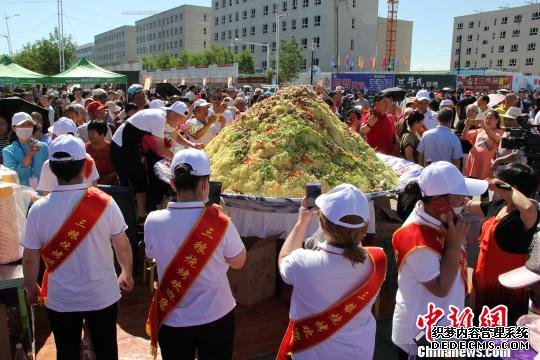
{"x": 236, "y": 33}
{"x": 504, "y": 20}
{"x": 317, "y": 41}
{"x": 471, "y": 24}
{"x": 265, "y": 29}
{"x": 512, "y": 62}
{"x": 244, "y": 32}
{"x": 468, "y": 63}
{"x": 493, "y": 37}
{"x": 204, "y": 31}
{"x": 502, "y": 34}
{"x": 273, "y": 46}
{"x": 531, "y": 47}
{"x": 514, "y": 48}
{"x": 294, "y": 4}
{"x": 304, "y": 64}
{"x": 305, "y": 22}
{"x": 284, "y": 26}
{"x": 253, "y": 13}
{"x": 265, "y": 10}
{"x": 456, "y": 52}
{"x": 252, "y": 48}
{"x": 533, "y": 31}
{"x": 229, "y": 34}
{"x": 264, "y": 49}
{"x": 469, "y": 38}
{"x": 223, "y": 19}
{"x": 517, "y": 18}
{"x": 501, "y": 48}
{"x": 495, "y": 22}
{"x": 353, "y": 3}
{"x": 223, "y": 3}
{"x": 263, "y": 63}
{"x": 216, "y": 5}
{"x": 303, "y": 43}
{"x": 515, "y": 33}
{"x": 293, "y": 24}
{"x": 273, "y": 27}
{"x": 483, "y": 56}
{"x": 460, "y": 26}
{"x": 484, "y": 42}
{"x": 252, "y": 31}
{"x": 274, "y": 8}
{"x": 352, "y": 44}
{"x": 353, "y": 21}
{"x": 317, "y": 20}
{"x": 490, "y": 63}
{"x": 236, "y": 17}
{"x": 468, "y": 51}
{"x": 317, "y": 2}
{"x": 486, "y": 28}
{"x": 499, "y": 62}
{"x": 244, "y": 15}
{"x": 216, "y": 21}
{"x": 535, "y": 15}
{"x": 305, "y": 3}
{"x": 284, "y": 6}
{"x": 529, "y": 61}
{"x": 230, "y": 17}
{"x": 204, "y": 17}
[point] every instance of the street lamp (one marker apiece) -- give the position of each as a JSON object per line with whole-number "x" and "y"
{"x": 311, "y": 75}
{"x": 277, "y": 46}
{"x": 8, "y": 36}
{"x": 261, "y": 44}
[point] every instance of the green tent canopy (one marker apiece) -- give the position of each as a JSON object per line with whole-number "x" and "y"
{"x": 11, "y": 73}
{"x": 84, "y": 71}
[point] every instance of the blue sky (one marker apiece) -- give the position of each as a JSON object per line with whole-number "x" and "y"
{"x": 432, "y": 30}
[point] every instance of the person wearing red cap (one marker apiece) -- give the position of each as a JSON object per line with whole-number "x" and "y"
{"x": 97, "y": 111}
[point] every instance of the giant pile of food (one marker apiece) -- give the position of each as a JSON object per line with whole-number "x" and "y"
{"x": 289, "y": 139}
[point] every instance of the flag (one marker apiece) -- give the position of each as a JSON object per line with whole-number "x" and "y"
{"x": 396, "y": 63}
{"x": 383, "y": 62}
{"x": 346, "y": 62}
{"x": 351, "y": 63}
{"x": 404, "y": 61}
{"x": 360, "y": 62}
{"x": 333, "y": 62}
{"x": 372, "y": 61}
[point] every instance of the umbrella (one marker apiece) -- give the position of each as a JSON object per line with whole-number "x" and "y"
{"x": 495, "y": 99}
{"x": 134, "y": 88}
{"x": 12, "y": 105}
{"x": 397, "y": 93}
{"x": 447, "y": 89}
{"x": 166, "y": 90}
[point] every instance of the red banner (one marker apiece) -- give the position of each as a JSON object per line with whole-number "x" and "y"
{"x": 480, "y": 82}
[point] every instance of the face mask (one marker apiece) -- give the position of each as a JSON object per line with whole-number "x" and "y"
{"x": 458, "y": 210}
{"x": 168, "y": 128}
{"x": 24, "y": 133}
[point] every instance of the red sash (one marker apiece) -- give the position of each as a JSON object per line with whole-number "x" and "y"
{"x": 415, "y": 236}
{"x": 72, "y": 233}
{"x": 185, "y": 267}
{"x": 88, "y": 165}
{"x": 310, "y": 331}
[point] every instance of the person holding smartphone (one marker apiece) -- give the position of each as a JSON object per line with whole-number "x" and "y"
{"x": 25, "y": 155}
{"x": 431, "y": 260}
{"x": 379, "y": 128}
{"x": 506, "y": 236}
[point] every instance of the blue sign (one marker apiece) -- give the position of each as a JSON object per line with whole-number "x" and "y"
{"x": 370, "y": 83}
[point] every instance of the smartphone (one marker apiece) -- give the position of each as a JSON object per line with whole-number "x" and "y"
{"x": 420, "y": 339}
{"x": 313, "y": 190}
{"x": 504, "y": 186}
{"x": 441, "y": 206}
{"x": 214, "y": 194}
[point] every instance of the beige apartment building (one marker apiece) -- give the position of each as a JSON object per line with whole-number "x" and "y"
{"x": 115, "y": 46}
{"x": 404, "y": 30}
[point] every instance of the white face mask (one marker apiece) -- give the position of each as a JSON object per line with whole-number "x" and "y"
{"x": 24, "y": 133}
{"x": 458, "y": 210}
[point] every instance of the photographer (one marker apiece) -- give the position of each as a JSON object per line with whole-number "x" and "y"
{"x": 505, "y": 239}
{"x": 337, "y": 272}
{"x": 504, "y": 154}
{"x": 429, "y": 251}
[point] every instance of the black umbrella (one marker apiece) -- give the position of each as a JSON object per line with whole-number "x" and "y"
{"x": 397, "y": 93}
{"x": 167, "y": 90}
{"x": 12, "y": 105}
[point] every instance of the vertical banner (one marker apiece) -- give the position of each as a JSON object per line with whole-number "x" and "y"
{"x": 147, "y": 83}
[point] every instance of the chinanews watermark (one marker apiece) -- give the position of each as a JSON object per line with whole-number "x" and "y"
{"x": 491, "y": 338}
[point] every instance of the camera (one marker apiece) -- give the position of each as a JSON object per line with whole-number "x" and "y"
{"x": 526, "y": 139}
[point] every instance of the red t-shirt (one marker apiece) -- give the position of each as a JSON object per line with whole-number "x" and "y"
{"x": 381, "y": 136}
{"x": 103, "y": 162}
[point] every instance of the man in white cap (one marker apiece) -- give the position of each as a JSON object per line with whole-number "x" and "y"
{"x": 421, "y": 104}
{"x": 335, "y": 285}
{"x": 232, "y": 92}
{"x": 80, "y": 280}
{"x": 202, "y": 128}
{"x": 431, "y": 260}
{"x": 100, "y": 95}
{"x": 194, "y": 245}
{"x": 126, "y": 154}
{"x": 47, "y": 180}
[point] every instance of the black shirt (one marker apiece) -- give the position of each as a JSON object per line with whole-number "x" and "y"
{"x": 510, "y": 234}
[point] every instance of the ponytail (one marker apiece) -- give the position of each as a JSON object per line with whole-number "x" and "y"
{"x": 408, "y": 198}
{"x": 347, "y": 238}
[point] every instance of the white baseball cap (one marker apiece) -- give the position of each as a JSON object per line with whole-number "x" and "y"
{"x": 343, "y": 200}
{"x": 442, "y": 178}
{"x": 20, "y": 118}
{"x": 199, "y": 103}
{"x": 513, "y": 113}
{"x": 63, "y": 126}
{"x": 447, "y": 102}
{"x": 422, "y": 95}
{"x": 178, "y": 107}
{"x": 524, "y": 275}
{"x": 69, "y": 144}
{"x": 228, "y": 101}
{"x": 99, "y": 92}
{"x": 156, "y": 104}
{"x": 197, "y": 159}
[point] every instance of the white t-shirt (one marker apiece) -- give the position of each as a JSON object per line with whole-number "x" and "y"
{"x": 48, "y": 181}
{"x": 412, "y": 298}
{"x": 87, "y": 279}
{"x": 320, "y": 279}
{"x": 195, "y": 125}
{"x": 149, "y": 120}
{"x": 209, "y": 297}
{"x": 82, "y": 132}
{"x": 482, "y": 114}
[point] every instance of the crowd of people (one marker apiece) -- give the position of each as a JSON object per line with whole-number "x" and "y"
{"x": 108, "y": 137}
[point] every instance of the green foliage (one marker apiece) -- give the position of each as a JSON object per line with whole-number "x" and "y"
{"x": 290, "y": 60}
{"x": 5, "y": 59}
{"x": 246, "y": 63}
{"x": 42, "y": 55}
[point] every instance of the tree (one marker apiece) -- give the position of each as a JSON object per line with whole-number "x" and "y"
{"x": 42, "y": 56}
{"x": 5, "y": 59}
{"x": 290, "y": 60}
{"x": 246, "y": 63}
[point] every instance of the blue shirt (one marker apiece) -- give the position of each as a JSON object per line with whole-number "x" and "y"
{"x": 13, "y": 158}
{"x": 440, "y": 144}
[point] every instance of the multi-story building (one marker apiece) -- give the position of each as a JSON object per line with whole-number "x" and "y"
{"x": 403, "y": 44}
{"x": 185, "y": 27}
{"x": 115, "y": 46}
{"x": 86, "y": 50}
{"x": 237, "y": 23}
{"x": 505, "y": 39}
